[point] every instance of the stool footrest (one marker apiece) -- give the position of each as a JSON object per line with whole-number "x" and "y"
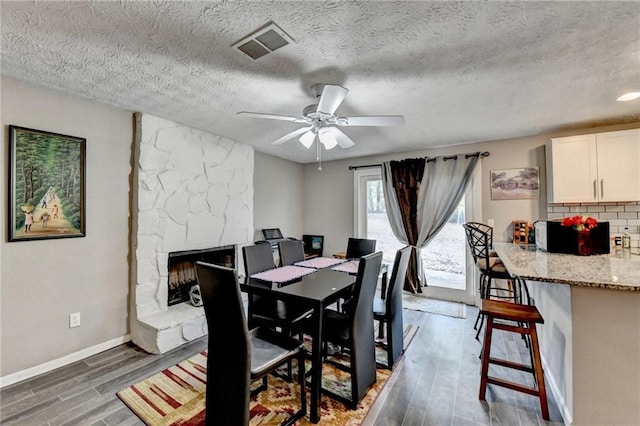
{"x": 511, "y": 364}
{"x": 512, "y": 328}
{"x": 512, "y": 385}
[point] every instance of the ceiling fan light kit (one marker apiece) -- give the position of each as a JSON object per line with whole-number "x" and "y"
{"x": 291, "y": 135}
{"x": 308, "y": 137}
{"x": 322, "y": 121}
{"x": 326, "y": 138}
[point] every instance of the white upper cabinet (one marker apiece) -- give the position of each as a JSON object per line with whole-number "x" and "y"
{"x": 619, "y": 165}
{"x": 600, "y": 167}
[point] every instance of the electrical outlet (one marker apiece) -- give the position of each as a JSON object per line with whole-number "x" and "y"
{"x": 490, "y": 222}
{"x": 74, "y": 320}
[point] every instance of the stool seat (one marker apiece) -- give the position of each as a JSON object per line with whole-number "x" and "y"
{"x": 524, "y": 318}
{"x": 511, "y": 311}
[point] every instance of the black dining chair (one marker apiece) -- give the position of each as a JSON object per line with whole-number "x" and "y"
{"x": 268, "y": 311}
{"x": 291, "y": 251}
{"x": 358, "y": 247}
{"x": 387, "y": 309}
{"x": 257, "y": 258}
{"x": 237, "y": 357}
{"x": 353, "y": 331}
{"x": 264, "y": 310}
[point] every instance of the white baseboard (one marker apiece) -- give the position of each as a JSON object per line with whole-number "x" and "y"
{"x": 567, "y": 416}
{"x": 19, "y": 376}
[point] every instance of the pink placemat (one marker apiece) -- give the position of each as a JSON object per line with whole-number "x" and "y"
{"x": 283, "y": 274}
{"x": 320, "y": 262}
{"x": 349, "y": 267}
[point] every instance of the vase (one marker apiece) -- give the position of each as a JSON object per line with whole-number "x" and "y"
{"x": 584, "y": 243}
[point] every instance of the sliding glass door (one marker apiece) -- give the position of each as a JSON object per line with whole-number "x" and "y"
{"x": 448, "y": 271}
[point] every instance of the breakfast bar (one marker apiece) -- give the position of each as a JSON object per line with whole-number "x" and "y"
{"x": 590, "y": 341}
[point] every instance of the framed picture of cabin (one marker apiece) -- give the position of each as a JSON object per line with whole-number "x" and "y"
{"x": 515, "y": 184}
{"x": 46, "y": 185}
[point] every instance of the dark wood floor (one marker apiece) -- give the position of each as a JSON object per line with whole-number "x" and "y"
{"x": 435, "y": 384}
{"x": 438, "y": 379}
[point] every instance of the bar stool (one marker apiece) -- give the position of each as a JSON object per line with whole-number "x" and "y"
{"x": 480, "y": 241}
{"x": 525, "y": 318}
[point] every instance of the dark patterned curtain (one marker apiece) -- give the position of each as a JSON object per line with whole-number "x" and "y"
{"x": 406, "y": 176}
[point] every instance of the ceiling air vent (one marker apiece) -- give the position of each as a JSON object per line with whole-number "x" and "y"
{"x": 264, "y": 40}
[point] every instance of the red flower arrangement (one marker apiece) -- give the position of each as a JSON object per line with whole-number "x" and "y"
{"x": 580, "y": 223}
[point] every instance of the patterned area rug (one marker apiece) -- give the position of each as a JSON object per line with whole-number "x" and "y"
{"x": 176, "y": 396}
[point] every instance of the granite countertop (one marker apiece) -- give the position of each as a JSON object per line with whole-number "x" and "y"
{"x": 619, "y": 270}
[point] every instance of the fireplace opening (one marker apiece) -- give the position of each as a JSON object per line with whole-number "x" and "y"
{"x": 182, "y": 271}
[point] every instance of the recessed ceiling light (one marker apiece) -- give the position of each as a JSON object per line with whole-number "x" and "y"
{"x": 629, "y": 96}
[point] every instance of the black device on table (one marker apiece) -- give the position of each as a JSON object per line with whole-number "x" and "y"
{"x": 313, "y": 245}
{"x": 273, "y": 236}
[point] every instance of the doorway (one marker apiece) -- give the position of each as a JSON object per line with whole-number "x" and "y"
{"x": 448, "y": 269}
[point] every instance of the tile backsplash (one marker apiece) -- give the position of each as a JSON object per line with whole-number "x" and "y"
{"x": 619, "y": 216}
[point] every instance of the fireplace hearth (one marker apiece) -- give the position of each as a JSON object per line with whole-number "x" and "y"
{"x": 182, "y": 273}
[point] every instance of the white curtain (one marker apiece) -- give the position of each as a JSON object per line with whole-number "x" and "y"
{"x": 443, "y": 184}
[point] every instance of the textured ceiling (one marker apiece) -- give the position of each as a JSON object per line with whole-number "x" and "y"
{"x": 458, "y": 71}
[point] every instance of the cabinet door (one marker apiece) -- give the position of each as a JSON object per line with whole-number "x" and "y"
{"x": 619, "y": 165}
{"x": 572, "y": 169}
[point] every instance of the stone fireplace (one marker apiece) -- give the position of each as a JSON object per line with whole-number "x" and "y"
{"x": 191, "y": 191}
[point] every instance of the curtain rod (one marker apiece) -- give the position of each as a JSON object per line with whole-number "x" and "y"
{"x": 430, "y": 159}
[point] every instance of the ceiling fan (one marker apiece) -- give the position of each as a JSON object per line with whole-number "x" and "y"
{"x": 322, "y": 122}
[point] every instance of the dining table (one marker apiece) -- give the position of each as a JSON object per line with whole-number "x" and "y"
{"x": 320, "y": 289}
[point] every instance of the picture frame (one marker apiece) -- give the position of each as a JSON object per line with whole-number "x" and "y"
{"x": 515, "y": 184}
{"x": 46, "y": 185}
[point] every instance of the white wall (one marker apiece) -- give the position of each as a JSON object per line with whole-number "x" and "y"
{"x": 278, "y": 193}
{"x": 328, "y": 203}
{"x": 328, "y": 194}
{"x": 44, "y": 281}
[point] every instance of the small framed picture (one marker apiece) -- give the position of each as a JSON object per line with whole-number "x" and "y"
{"x": 515, "y": 184}
{"x": 46, "y": 185}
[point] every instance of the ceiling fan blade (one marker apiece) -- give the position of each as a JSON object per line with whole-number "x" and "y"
{"x": 372, "y": 120}
{"x": 291, "y": 135}
{"x": 343, "y": 140}
{"x": 331, "y": 98}
{"x": 272, "y": 116}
